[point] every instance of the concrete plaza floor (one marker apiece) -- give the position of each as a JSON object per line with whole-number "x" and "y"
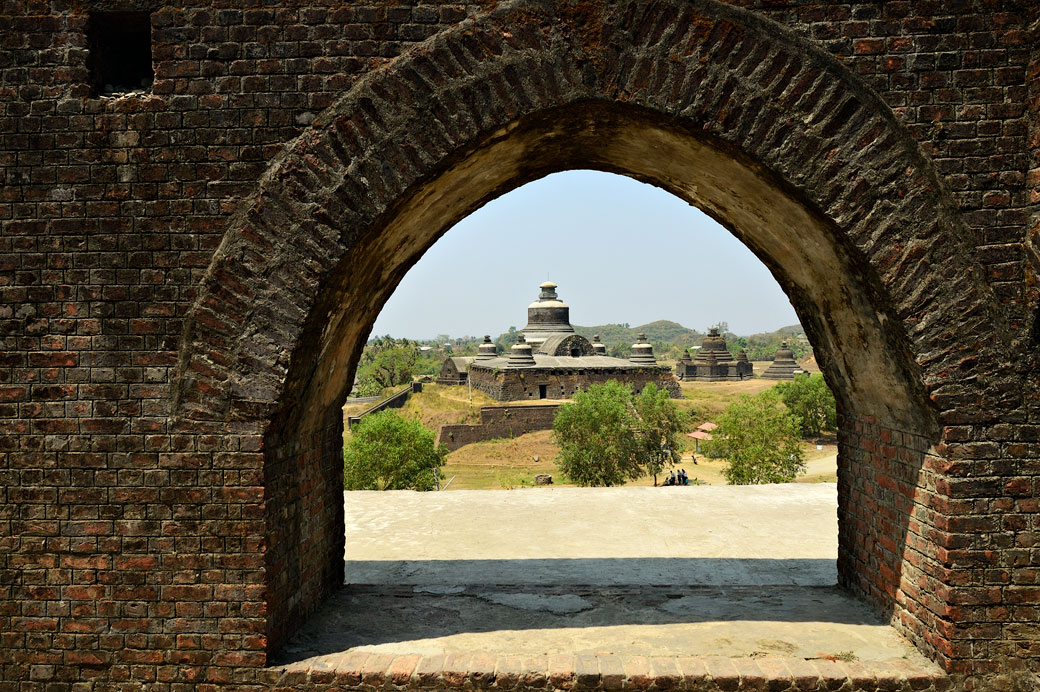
{"x": 638, "y": 571}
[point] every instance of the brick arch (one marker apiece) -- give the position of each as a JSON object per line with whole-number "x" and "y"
{"x": 772, "y": 137}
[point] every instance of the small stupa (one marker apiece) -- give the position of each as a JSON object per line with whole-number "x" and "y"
{"x": 742, "y": 358}
{"x": 598, "y": 347}
{"x": 643, "y": 352}
{"x": 520, "y": 355}
{"x": 784, "y": 366}
{"x": 487, "y": 350}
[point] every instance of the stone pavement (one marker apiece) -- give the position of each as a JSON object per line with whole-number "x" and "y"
{"x": 702, "y": 588}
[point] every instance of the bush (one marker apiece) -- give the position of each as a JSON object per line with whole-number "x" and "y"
{"x": 759, "y": 439}
{"x": 607, "y": 436}
{"x": 388, "y": 452}
{"x": 808, "y": 397}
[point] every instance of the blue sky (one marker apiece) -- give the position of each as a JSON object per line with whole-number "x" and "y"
{"x": 620, "y": 250}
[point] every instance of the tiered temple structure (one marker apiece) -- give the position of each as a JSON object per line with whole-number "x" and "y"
{"x": 552, "y": 361}
{"x": 713, "y": 362}
{"x": 784, "y": 366}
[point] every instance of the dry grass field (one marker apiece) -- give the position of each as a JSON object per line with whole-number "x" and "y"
{"x": 510, "y": 464}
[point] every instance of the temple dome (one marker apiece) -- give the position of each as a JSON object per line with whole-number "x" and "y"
{"x": 547, "y": 316}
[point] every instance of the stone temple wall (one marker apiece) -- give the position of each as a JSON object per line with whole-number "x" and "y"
{"x": 152, "y": 534}
{"x": 521, "y": 385}
{"x": 497, "y": 422}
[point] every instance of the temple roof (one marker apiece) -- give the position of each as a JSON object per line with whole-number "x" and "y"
{"x": 566, "y": 363}
{"x": 461, "y": 362}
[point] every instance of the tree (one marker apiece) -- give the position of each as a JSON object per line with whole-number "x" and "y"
{"x": 365, "y": 386}
{"x": 390, "y": 366}
{"x": 759, "y": 438}
{"x": 808, "y": 397}
{"x": 506, "y": 340}
{"x": 661, "y": 425}
{"x": 607, "y": 437}
{"x": 388, "y": 452}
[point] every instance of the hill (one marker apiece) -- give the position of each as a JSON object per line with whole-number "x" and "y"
{"x": 763, "y": 346}
{"x": 659, "y": 332}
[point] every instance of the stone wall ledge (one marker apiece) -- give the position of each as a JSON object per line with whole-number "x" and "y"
{"x": 580, "y": 673}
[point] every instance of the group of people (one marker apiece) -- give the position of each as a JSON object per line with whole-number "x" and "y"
{"x": 677, "y": 478}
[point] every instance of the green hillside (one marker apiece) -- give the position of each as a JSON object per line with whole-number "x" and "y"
{"x": 661, "y": 331}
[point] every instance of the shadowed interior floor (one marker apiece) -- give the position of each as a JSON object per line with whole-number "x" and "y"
{"x": 805, "y": 622}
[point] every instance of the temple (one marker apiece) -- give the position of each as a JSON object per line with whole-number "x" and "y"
{"x": 713, "y": 362}
{"x": 552, "y": 361}
{"x": 784, "y": 366}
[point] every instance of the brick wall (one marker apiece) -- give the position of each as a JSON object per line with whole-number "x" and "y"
{"x": 954, "y": 74}
{"x": 887, "y": 506}
{"x": 139, "y": 547}
{"x": 304, "y": 542}
{"x": 498, "y": 422}
{"x": 1032, "y": 241}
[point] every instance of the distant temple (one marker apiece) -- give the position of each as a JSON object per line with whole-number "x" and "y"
{"x": 455, "y": 369}
{"x": 784, "y": 366}
{"x": 713, "y": 362}
{"x": 552, "y": 361}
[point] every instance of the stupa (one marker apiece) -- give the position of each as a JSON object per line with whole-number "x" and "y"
{"x": 784, "y": 366}
{"x": 713, "y": 362}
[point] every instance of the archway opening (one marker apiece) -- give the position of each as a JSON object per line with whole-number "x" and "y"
{"x": 886, "y": 425}
{"x": 550, "y": 559}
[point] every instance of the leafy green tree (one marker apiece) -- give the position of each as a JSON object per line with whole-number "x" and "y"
{"x": 389, "y": 367}
{"x": 506, "y": 340}
{"x": 661, "y": 425}
{"x": 759, "y": 438}
{"x": 808, "y": 397}
{"x": 607, "y": 436}
{"x": 388, "y": 452}
{"x": 366, "y": 386}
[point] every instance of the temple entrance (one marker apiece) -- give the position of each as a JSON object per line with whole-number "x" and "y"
{"x": 775, "y": 140}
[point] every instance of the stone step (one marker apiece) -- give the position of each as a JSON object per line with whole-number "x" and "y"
{"x": 484, "y": 671}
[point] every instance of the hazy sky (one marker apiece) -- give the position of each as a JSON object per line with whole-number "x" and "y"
{"x": 620, "y": 250}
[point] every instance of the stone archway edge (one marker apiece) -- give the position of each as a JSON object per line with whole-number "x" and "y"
{"x": 483, "y": 671}
{"x": 260, "y": 292}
